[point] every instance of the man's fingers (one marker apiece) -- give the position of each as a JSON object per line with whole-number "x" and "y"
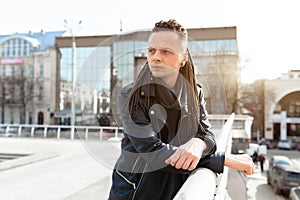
{"x": 179, "y": 163}
{"x": 187, "y": 164}
{"x": 193, "y": 164}
{"x": 172, "y": 160}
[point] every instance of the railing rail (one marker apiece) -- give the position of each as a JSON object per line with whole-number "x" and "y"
{"x": 204, "y": 179}
{"x": 83, "y": 132}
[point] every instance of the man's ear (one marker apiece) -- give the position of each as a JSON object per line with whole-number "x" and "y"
{"x": 184, "y": 57}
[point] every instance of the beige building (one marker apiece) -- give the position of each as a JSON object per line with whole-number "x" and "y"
{"x": 28, "y": 75}
{"x": 282, "y": 106}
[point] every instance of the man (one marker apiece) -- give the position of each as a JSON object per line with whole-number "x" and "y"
{"x": 165, "y": 123}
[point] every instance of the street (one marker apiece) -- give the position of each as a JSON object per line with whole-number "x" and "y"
{"x": 258, "y": 188}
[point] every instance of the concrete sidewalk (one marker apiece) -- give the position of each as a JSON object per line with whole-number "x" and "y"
{"x": 56, "y": 169}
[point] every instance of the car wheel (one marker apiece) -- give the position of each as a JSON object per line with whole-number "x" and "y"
{"x": 276, "y": 189}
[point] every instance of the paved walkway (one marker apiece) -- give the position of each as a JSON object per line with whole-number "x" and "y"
{"x": 55, "y": 169}
{"x": 77, "y": 170}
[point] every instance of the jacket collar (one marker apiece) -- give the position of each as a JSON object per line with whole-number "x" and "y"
{"x": 181, "y": 86}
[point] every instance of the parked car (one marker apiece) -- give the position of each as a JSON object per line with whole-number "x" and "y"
{"x": 298, "y": 146}
{"x": 295, "y": 193}
{"x": 287, "y": 144}
{"x": 8, "y": 135}
{"x": 279, "y": 160}
{"x": 282, "y": 174}
{"x": 271, "y": 144}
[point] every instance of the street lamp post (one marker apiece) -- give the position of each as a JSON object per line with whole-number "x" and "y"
{"x": 73, "y": 78}
{"x": 73, "y": 34}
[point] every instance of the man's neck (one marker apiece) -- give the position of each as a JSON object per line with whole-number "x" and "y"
{"x": 170, "y": 80}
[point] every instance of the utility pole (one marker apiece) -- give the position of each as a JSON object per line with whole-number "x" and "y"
{"x": 72, "y": 30}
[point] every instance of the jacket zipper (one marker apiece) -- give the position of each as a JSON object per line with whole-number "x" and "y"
{"x": 135, "y": 163}
{"x": 133, "y": 196}
{"x": 131, "y": 183}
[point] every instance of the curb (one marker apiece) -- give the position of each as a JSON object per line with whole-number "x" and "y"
{"x": 18, "y": 162}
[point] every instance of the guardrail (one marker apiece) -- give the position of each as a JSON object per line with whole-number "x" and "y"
{"x": 59, "y": 131}
{"x": 204, "y": 179}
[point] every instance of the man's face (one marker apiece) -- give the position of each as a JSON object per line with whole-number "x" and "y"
{"x": 165, "y": 55}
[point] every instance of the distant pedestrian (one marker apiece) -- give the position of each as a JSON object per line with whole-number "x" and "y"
{"x": 255, "y": 157}
{"x": 261, "y": 161}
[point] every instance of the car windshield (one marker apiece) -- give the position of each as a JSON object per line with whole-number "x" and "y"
{"x": 282, "y": 162}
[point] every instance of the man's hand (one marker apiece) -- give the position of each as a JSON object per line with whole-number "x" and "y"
{"x": 187, "y": 155}
{"x": 241, "y": 162}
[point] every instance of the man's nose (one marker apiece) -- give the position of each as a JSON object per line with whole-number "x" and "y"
{"x": 157, "y": 56}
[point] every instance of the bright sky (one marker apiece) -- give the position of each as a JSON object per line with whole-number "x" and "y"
{"x": 268, "y": 30}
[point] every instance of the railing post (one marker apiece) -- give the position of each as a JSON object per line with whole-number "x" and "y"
{"x": 19, "y": 131}
{"x": 87, "y": 133}
{"x": 32, "y": 132}
{"x": 58, "y": 133}
{"x": 7, "y": 129}
{"x": 116, "y": 133}
{"x": 72, "y": 133}
{"x": 101, "y": 134}
{"x": 45, "y": 132}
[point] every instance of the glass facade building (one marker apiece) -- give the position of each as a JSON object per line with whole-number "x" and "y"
{"x": 104, "y": 61}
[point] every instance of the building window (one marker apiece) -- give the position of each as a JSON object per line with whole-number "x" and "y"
{"x": 31, "y": 71}
{"x": 22, "y": 71}
{"x": 12, "y": 93}
{"x": 16, "y": 47}
{"x": 11, "y": 117}
{"x": 21, "y": 118}
{"x": 41, "y": 93}
{"x": 13, "y": 72}
{"x": 41, "y": 70}
{"x": 30, "y": 118}
{"x": 4, "y": 71}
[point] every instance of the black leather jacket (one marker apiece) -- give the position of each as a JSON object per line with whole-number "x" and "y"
{"x": 140, "y": 172}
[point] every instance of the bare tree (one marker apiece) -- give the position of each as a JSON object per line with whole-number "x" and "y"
{"x": 17, "y": 92}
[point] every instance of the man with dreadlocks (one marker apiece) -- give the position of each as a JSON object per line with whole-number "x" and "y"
{"x": 165, "y": 122}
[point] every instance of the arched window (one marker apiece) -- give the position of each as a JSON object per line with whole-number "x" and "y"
{"x": 16, "y": 47}
{"x": 40, "y": 118}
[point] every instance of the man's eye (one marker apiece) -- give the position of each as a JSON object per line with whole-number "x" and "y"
{"x": 166, "y": 51}
{"x": 151, "y": 50}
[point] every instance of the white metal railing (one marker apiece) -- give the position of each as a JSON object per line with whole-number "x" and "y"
{"x": 45, "y": 131}
{"x": 204, "y": 179}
